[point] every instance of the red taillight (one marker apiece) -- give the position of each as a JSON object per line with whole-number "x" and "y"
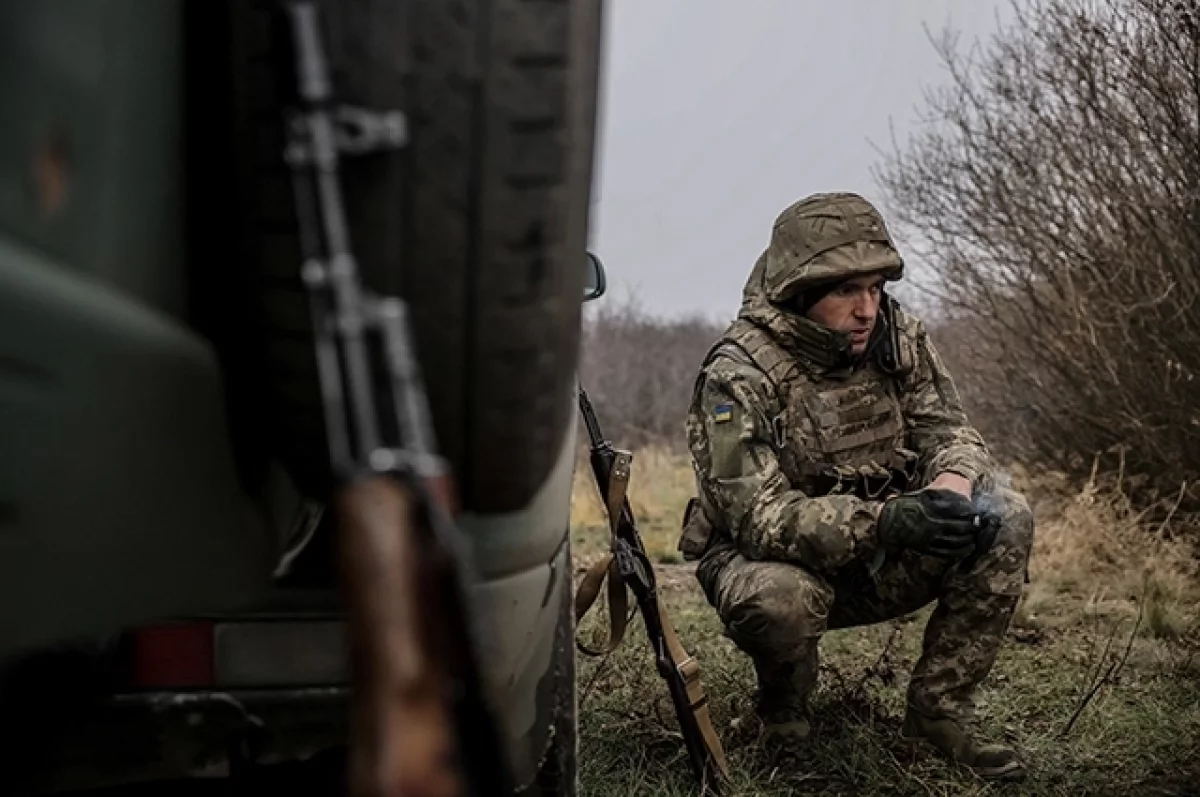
{"x": 172, "y": 655}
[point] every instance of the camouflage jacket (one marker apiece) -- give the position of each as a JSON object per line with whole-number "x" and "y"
{"x": 778, "y": 403}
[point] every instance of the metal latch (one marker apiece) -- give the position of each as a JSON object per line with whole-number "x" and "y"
{"x": 354, "y": 131}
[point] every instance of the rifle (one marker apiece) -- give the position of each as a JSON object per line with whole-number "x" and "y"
{"x": 421, "y": 724}
{"x": 627, "y": 566}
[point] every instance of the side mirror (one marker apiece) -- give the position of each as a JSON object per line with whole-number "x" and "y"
{"x": 595, "y": 283}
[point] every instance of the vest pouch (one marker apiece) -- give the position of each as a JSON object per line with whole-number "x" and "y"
{"x": 904, "y": 464}
{"x": 870, "y": 482}
{"x": 697, "y": 531}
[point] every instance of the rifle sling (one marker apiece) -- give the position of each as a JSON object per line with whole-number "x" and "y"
{"x": 618, "y": 604}
{"x": 689, "y": 670}
{"x": 589, "y": 590}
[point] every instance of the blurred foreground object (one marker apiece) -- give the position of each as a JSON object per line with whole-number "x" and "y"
{"x": 180, "y": 503}
{"x": 422, "y": 724}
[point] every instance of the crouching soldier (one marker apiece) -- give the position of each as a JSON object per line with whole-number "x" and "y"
{"x": 840, "y": 483}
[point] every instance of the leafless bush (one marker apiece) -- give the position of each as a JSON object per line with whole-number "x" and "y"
{"x": 1054, "y": 193}
{"x": 639, "y": 370}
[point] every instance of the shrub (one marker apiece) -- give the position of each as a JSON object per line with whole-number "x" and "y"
{"x": 1052, "y": 197}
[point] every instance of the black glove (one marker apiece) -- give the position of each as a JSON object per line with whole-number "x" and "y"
{"x": 931, "y": 521}
{"x": 985, "y": 537}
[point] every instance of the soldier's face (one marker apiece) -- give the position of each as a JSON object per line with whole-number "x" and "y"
{"x": 852, "y": 306}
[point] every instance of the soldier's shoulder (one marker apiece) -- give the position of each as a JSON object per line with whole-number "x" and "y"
{"x": 728, "y": 361}
{"x": 728, "y": 364}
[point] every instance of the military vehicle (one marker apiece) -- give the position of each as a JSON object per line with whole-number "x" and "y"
{"x": 170, "y": 607}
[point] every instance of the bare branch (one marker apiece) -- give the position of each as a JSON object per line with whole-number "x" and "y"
{"x": 1055, "y": 184}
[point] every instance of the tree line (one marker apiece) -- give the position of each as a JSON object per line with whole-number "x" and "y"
{"x": 1049, "y": 202}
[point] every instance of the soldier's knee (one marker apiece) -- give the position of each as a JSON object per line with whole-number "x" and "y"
{"x": 1002, "y": 568}
{"x": 780, "y": 615}
{"x": 1017, "y": 528}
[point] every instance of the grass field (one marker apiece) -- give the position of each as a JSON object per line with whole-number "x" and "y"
{"x": 1111, "y": 612}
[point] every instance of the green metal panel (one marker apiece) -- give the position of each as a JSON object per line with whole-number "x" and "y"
{"x": 103, "y": 78}
{"x": 118, "y": 496}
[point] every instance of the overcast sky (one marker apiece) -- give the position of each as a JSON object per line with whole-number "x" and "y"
{"x": 717, "y": 114}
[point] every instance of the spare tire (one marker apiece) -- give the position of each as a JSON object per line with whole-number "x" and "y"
{"x": 480, "y": 222}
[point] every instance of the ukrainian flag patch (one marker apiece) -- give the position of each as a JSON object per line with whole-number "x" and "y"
{"x": 723, "y": 413}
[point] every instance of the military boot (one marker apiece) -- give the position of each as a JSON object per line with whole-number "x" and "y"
{"x": 782, "y": 702}
{"x": 958, "y": 740}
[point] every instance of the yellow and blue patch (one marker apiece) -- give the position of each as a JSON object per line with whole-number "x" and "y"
{"x": 723, "y": 413}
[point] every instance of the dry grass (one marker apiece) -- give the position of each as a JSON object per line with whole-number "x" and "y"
{"x": 1094, "y": 555}
{"x": 1094, "y": 565}
{"x": 660, "y": 485}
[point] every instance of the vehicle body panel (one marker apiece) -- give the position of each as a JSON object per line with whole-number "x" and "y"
{"x": 120, "y": 498}
{"x": 101, "y": 80}
{"x": 524, "y": 563}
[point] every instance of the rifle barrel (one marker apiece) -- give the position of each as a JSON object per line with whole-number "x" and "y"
{"x": 590, "y": 420}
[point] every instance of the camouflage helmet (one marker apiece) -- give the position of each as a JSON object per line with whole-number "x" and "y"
{"x": 826, "y": 238}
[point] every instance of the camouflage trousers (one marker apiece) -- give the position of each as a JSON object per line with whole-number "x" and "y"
{"x": 776, "y": 612}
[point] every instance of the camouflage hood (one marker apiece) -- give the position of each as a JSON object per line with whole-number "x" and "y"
{"x": 820, "y": 240}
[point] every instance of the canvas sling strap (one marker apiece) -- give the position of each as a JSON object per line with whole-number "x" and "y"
{"x": 606, "y": 570}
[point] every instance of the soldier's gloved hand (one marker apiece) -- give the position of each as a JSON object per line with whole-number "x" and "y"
{"x": 930, "y": 521}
